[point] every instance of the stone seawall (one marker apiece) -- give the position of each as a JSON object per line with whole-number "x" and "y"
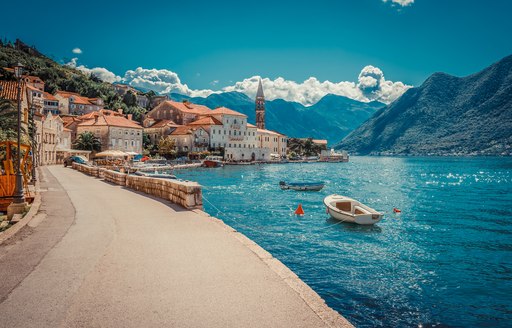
{"x": 185, "y": 193}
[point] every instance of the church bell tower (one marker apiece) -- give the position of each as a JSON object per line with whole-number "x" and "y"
{"x": 260, "y": 107}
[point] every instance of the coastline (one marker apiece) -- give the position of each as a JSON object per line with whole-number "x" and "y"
{"x": 331, "y": 317}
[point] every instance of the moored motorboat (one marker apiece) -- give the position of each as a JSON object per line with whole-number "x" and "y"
{"x": 213, "y": 161}
{"x": 302, "y": 186}
{"x": 155, "y": 175}
{"x": 350, "y": 210}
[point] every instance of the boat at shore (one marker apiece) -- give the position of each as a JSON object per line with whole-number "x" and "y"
{"x": 346, "y": 209}
{"x": 213, "y": 161}
{"x": 155, "y": 175}
{"x": 302, "y": 186}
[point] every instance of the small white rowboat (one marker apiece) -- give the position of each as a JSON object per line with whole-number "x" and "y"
{"x": 350, "y": 210}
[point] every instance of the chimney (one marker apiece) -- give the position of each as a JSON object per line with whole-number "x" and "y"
{"x": 130, "y": 116}
{"x": 120, "y": 110}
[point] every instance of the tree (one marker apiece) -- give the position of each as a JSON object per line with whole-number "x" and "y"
{"x": 296, "y": 145}
{"x": 146, "y": 141}
{"x": 87, "y": 141}
{"x": 166, "y": 147}
{"x": 9, "y": 121}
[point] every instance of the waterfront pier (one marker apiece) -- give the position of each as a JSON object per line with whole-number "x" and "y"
{"x": 102, "y": 255}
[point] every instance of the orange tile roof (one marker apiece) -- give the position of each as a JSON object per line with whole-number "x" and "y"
{"x": 78, "y": 99}
{"x": 49, "y": 96}
{"x": 162, "y": 123}
{"x": 270, "y": 132}
{"x": 108, "y": 120}
{"x": 100, "y": 112}
{"x": 33, "y": 88}
{"x": 249, "y": 125}
{"x": 182, "y": 130}
{"x": 208, "y": 120}
{"x": 320, "y": 141}
{"x": 32, "y": 78}
{"x": 183, "y": 107}
{"x": 68, "y": 119}
{"x": 225, "y": 111}
{"x": 66, "y": 94}
{"x": 9, "y": 90}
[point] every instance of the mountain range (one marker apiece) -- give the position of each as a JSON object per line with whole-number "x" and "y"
{"x": 446, "y": 115}
{"x": 331, "y": 118}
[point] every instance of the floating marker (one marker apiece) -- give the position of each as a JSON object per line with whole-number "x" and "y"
{"x": 299, "y": 210}
{"x": 396, "y": 210}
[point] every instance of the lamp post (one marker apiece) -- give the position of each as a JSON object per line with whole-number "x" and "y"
{"x": 19, "y": 195}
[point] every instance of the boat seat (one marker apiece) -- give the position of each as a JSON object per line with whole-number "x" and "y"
{"x": 360, "y": 210}
{"x": 344, "y": 206}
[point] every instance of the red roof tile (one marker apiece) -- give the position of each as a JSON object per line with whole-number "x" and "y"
{"x": 9, "y": 90}
{"x": 109, "y": 120}
{"x": 225, "y": 111}
{"x": 162, "y": 123}
{"x": 183, "y": 107}
{"x": 49, "y": 96}
{"x": 182, "y": 130}
{"x": 208, "y": 120}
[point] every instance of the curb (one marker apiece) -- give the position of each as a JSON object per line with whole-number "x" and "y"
{"x": 330, "y": 317}
{"x": 34, "y": 208}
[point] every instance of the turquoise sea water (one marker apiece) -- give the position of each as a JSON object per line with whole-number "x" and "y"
{"x": 445, "y": 261}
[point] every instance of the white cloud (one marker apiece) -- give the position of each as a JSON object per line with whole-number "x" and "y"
{"x": 77, "y": 51}
{"x": 371, "y": 85}
{"x": 100, "y": 72}
{"x": 402, "y": 3}
{"x": 161, "y": 81}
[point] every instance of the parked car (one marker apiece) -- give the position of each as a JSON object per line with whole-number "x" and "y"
{"x": 78, "y": 159}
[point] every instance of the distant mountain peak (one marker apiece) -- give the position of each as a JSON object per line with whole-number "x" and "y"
{"x": 446, "y": 115}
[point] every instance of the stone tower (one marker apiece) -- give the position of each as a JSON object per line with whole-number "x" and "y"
{"x": 260, "y": 107}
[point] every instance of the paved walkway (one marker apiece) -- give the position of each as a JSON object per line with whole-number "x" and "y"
{"x": 99, "y": 255}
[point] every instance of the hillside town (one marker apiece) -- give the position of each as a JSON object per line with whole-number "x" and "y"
{"x": 195, "y": 130}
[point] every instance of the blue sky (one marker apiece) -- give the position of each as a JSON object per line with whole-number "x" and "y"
{"x": 214, "y": 44}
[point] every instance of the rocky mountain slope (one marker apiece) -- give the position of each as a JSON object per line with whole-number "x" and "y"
{"x": 446, "y": 115}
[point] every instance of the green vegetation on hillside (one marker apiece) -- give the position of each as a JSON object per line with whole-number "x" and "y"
{"x": 63, "y": 77}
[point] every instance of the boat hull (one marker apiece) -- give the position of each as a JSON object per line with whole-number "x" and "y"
{"x": 210, "y": 163}
{"x": 301, "y": 186}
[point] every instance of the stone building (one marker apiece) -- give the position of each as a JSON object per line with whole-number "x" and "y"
{"x": 115, "y": 131}
{"x": 190, "y": 139}
{"x": 274, "y": 143}
{"x": 52, "y": 135}
{"x": 181, "y": 113}
{"x": 74, "y": 104}
{"x": 234, "y": 135}
{"x": 157, "y": 100}
{"x": 160, "y": 129}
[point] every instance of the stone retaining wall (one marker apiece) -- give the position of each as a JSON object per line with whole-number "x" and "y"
{"x": 185, "y": 193}
{"x": 89, "y": 170}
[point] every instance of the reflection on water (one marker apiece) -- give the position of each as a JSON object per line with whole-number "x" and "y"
{"x": 444, "y": 260}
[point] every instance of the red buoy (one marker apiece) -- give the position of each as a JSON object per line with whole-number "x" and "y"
{"x": 396, "y": 210}
{"x": 299, "y": 210}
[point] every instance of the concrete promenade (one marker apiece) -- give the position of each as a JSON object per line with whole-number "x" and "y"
{"x": 100, "y": 255}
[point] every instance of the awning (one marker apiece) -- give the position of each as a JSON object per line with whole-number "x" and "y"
{"x": 111, "y": 153}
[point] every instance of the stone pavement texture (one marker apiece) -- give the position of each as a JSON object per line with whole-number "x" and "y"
{"x": 99, "y": 255}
